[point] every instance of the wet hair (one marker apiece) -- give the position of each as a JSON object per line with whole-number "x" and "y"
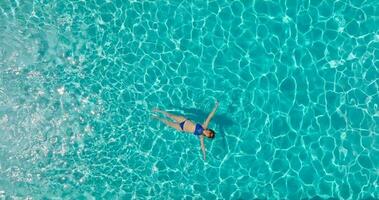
{"x": 212, "y": 135}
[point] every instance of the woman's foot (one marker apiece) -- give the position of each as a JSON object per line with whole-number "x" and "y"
{"x": 156, "y": 110}
{"x": 155, "y": 117}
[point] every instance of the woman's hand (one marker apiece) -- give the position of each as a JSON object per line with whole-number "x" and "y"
{"x": 202, "y": 146}
{"x": 206, "y": 122}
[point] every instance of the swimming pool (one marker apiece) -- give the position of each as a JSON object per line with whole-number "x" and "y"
{"x": 297, "y": 83}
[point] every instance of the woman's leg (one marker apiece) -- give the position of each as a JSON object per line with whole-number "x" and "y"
{"x": 177, "y": 118}
{"x": 172, "y": 124}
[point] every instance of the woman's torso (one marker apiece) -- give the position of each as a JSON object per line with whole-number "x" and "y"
{"x": 190, "y": 126}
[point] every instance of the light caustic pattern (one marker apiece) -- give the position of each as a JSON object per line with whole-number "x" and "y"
{"x": 297, "y": 83}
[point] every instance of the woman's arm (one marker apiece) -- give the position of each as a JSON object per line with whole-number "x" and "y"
{"x": 202, "y": 145}
{"x": 205, "y": 124}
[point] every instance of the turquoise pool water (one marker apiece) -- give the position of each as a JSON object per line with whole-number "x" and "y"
{"x": 297, "y": 83}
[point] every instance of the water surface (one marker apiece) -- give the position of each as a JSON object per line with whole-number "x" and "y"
{"x": 297, "y": 83}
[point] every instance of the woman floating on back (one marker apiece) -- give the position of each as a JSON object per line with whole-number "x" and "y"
{"x": 185, "y": 125}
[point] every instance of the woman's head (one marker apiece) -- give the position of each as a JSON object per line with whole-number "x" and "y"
{"x": 209, "y": 133}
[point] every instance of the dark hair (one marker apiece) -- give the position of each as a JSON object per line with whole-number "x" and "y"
{"x": 212, "y": 133}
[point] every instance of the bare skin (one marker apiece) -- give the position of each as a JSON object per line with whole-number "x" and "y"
{"x": 189, "y": 126}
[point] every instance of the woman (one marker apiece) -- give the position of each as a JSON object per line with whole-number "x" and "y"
{"x": 185, "y": 125}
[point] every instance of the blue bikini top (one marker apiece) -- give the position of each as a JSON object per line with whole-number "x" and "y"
{"x": 198, "y": 130}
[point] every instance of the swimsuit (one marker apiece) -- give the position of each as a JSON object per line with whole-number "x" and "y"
{"x": 198, "y": 128}
{"x": 182, "y": 124}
